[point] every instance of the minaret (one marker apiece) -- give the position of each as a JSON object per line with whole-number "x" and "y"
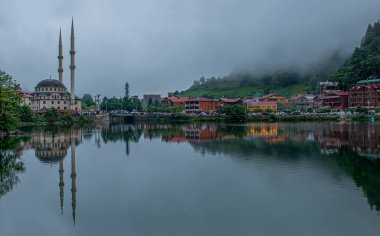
{"x": 61, "y": 184}
{"x": 72, "y": 66}
{"x": 73, "y": 178}
{"x": 60, "y": 57}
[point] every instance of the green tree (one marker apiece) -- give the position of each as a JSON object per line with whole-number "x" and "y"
{"x": 364, "y": 61}
{"x": 88, "y": 100}
{"x": 25, "y": 114}
{"x": 234, "y": 112}
{"x": 126, "y": 90}
{"x": 135, "y": 103}
{"x": 10, "y": 98}
{"x": 51, "y": 115}
{"x": 111, "y": 104}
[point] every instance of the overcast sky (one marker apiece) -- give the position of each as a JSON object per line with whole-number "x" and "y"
{"x": 163, "y": 45}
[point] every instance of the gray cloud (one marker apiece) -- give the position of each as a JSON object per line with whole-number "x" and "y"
{"x": 163, "y": 45}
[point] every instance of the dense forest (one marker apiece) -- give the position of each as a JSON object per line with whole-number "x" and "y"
{"x": 365, "y": 60}
{"x": 363, "y": 63}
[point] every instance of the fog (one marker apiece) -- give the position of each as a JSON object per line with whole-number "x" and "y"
{"x": 160, "y": 46}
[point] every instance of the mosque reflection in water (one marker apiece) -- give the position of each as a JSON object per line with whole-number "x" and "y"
{"x": 355, "y": 146}
{"x": 52, "y": 147}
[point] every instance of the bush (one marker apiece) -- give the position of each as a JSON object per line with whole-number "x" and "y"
{"x": 25, "y": 114}
{"x": 361, "y": 109}
{"x": 234, "y": 110}
{"x": 51, "y": 115}
{"x": 66, "y": 118}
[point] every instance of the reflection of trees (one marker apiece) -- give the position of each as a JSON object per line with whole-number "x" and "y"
{"x": 243, "y": 148}
{"x": 121, "y": 132}
{"x": 10, "y": 164}
{"x": 365, "y": 172}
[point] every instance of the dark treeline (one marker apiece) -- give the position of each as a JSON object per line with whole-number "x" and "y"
{"x": 365, "y": 60}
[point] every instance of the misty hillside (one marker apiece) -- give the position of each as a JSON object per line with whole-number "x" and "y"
{"x": 365, "y": 60}
{"x": 287, "y": 82}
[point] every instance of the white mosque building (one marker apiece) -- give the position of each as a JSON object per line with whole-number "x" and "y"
{"x": 51, "y": 93}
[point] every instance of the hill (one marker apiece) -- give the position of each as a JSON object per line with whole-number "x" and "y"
{"x": 287, "y": 82}
{"x": 364, "y": 61}
{"x": 244, "y": 85}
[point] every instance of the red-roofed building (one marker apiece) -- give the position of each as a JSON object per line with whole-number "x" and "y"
{"x": 196, "y": 105}
{"x": 230, "y": 101}
{"x": 364, "y": 95}
{"x": 174, "y": 101}
{"x": 26, "y": 98}
{"x": 273, "y": 97}
{"x": 261, "y": 106}
{"x": 299, "y": 102}
{"x": 334, "y": 99}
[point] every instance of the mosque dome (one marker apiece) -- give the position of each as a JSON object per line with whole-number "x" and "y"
{"x": 50, "y": 83}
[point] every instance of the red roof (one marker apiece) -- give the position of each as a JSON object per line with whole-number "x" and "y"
{"x": 251, "y": 103}
{"x": 336, "y": 92}
{"x": 26, "y": 94}
{"x": 297, "y": 97}
{"x": 230, "y": 100}
{"x": 201, "y": 99}
{"x": 178, "y": 99}
{"x": 373, "y": 86}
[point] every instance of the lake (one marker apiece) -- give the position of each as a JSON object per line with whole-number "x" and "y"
{"x": 193, "y": 179}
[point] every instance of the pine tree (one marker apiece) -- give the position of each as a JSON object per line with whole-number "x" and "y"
{"x": 126, "y": 88}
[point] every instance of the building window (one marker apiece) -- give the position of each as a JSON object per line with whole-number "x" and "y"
{"x": 59, "y": 102}
{"x": 52, "y": 102}
{"x": 44, "y": 102}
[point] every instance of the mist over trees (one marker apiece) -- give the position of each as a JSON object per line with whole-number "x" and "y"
{"x": 336, "y": 66}
{"x": 365, "y": 60}
{"x": 265, "y": 82}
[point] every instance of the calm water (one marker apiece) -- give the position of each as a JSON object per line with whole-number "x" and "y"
{"x": 200, "y": 179}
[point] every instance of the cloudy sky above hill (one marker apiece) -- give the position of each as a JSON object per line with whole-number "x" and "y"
{"x": 164, "y": 45}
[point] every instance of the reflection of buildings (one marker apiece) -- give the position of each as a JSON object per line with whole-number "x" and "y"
{"x": 268, "y": 132}
{"x": 362, "y": 138}
{"x": 199, "y": 134}
{"x": 194, "y": 133}
{"x": 51, "y": 147}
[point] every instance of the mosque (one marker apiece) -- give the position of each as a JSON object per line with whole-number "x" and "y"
{"x": 51, "y": 93}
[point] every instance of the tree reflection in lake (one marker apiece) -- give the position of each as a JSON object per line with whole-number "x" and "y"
{"x": 353, "y": 147}
{"x": 10, "y": 164}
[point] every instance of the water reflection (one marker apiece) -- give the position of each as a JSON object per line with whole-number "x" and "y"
{"x": 51, "y": 147}
{"x": 10, "y": 164}
{"x": 354, "y": 147}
